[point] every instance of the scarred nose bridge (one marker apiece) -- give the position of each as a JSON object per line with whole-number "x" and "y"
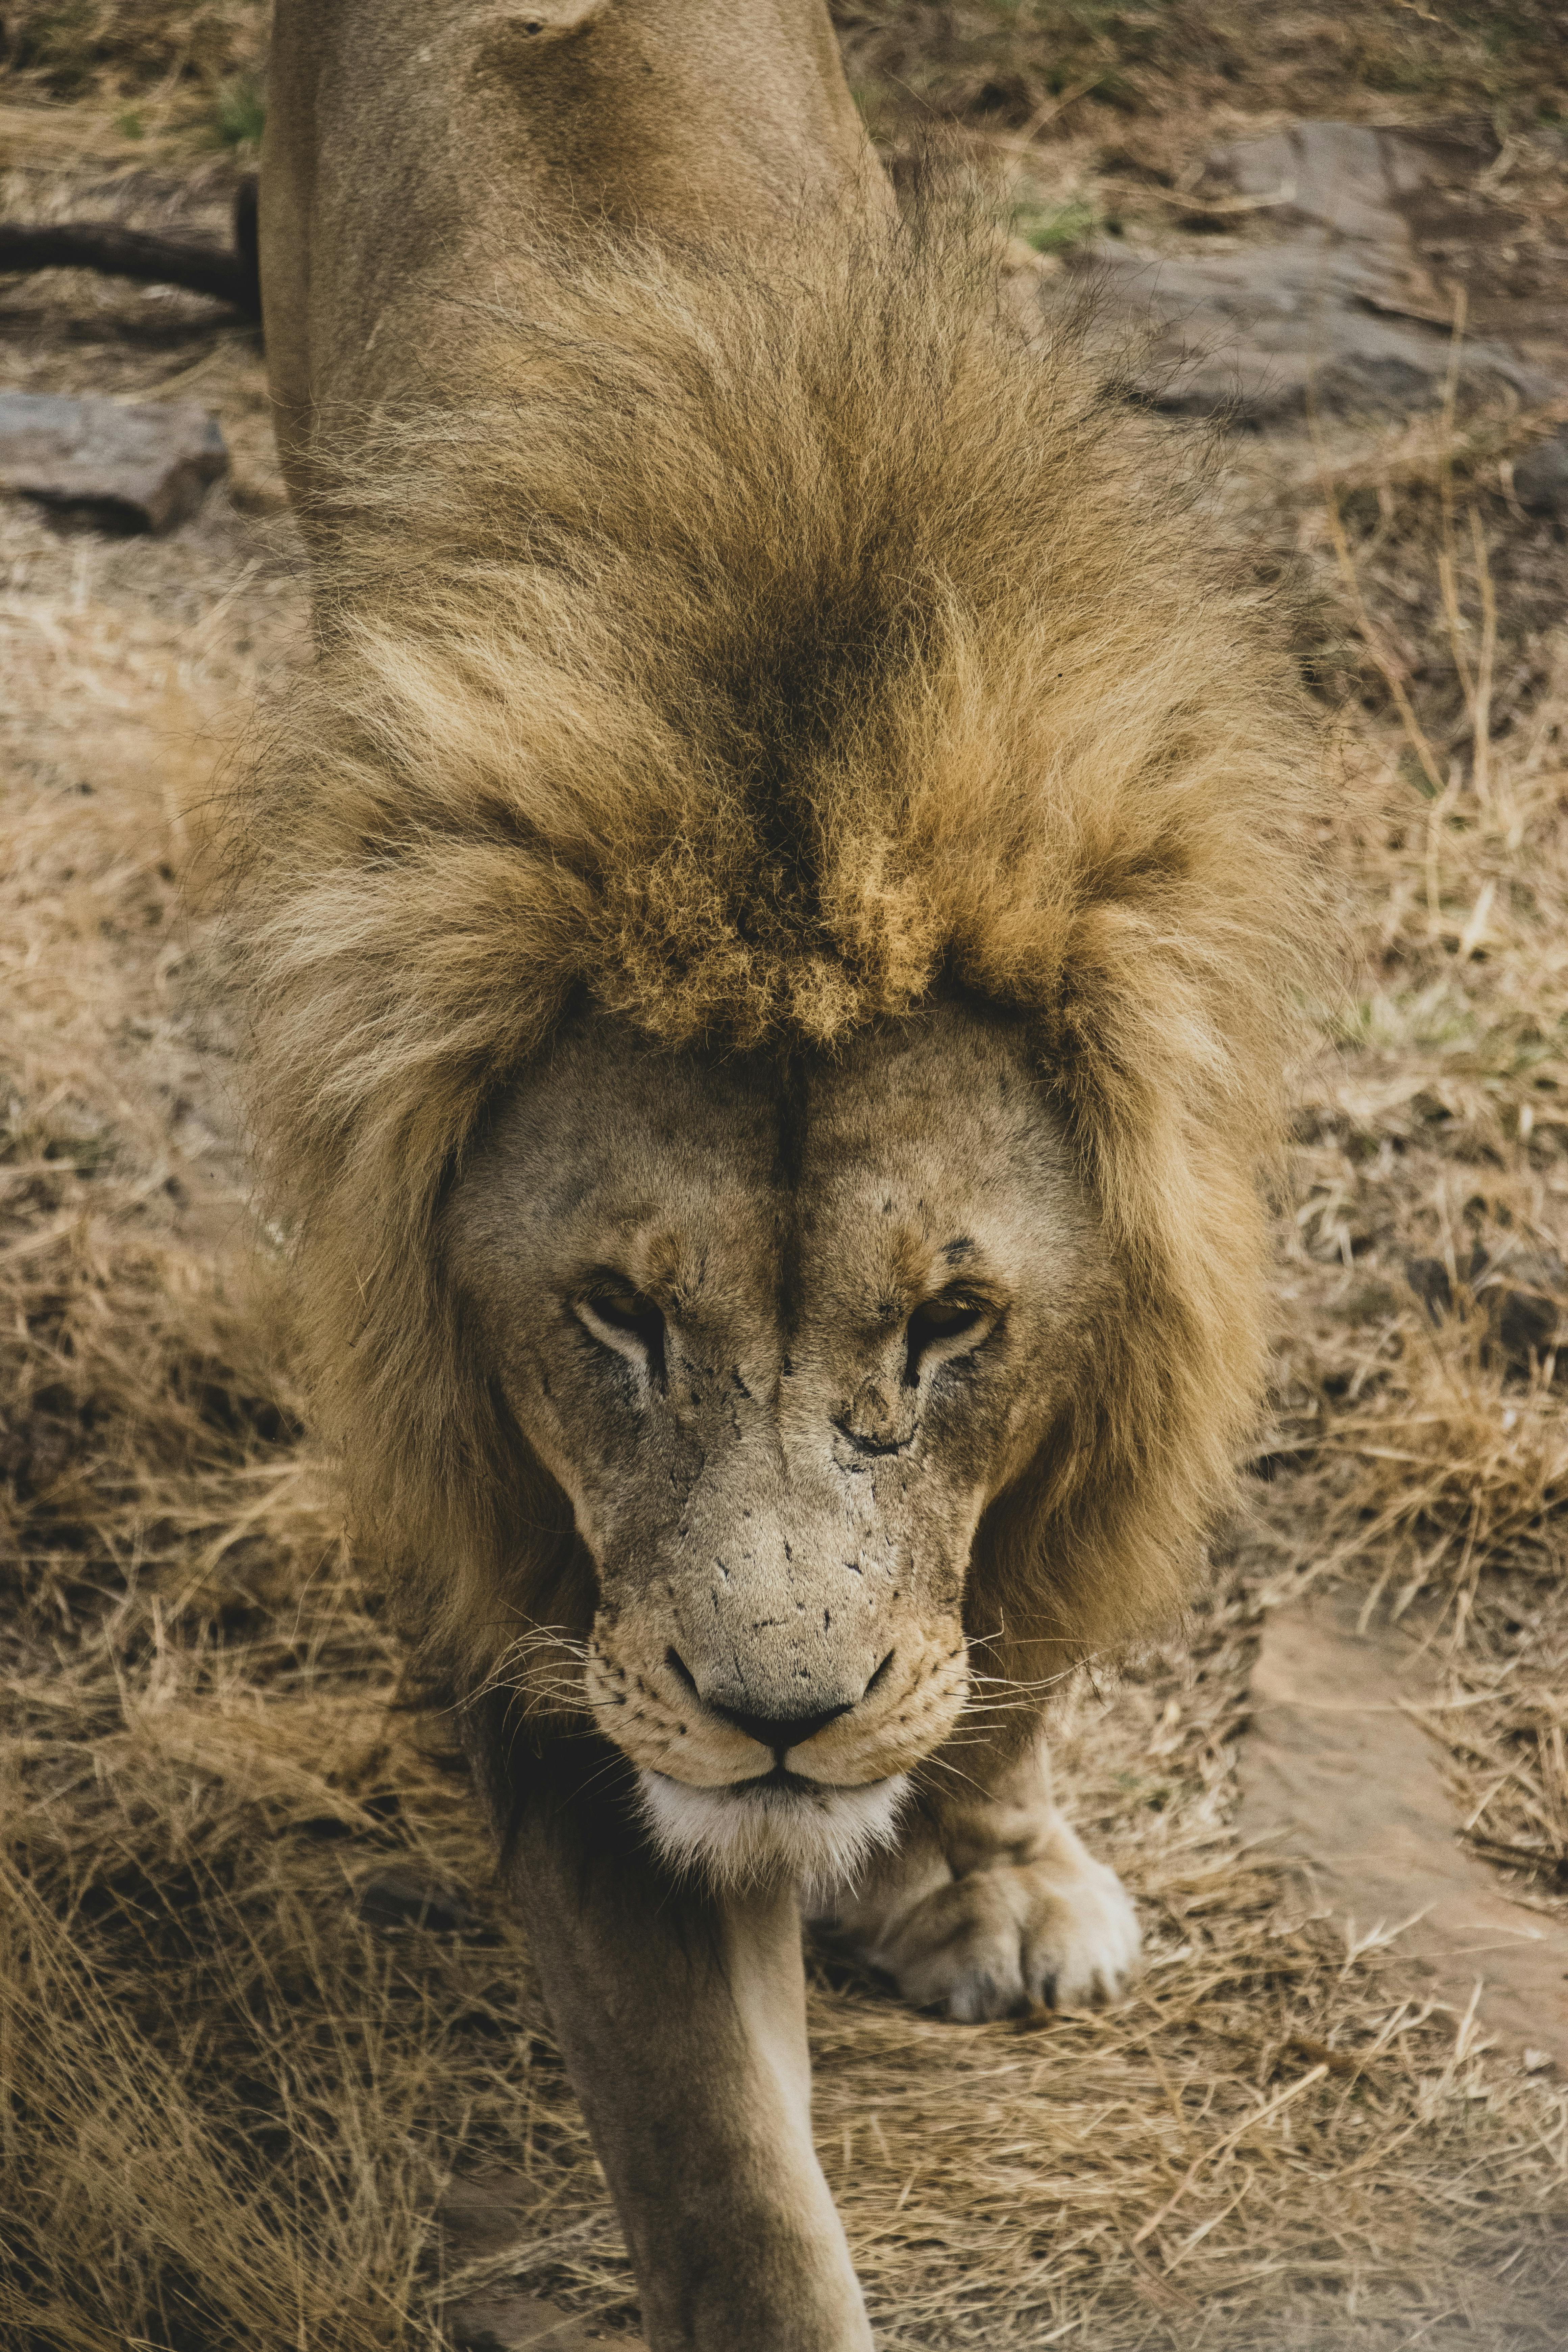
{"x": 784, "y": 1619}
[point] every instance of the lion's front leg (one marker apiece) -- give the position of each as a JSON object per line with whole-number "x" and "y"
{"x": 682, "y": 2016}
{"x": 994, "y": 1904}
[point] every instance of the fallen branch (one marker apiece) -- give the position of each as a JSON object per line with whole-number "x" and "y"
{"x": 233, "y": 277}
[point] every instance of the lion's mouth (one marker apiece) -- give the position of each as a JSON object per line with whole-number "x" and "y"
{"x": 767, "y": 1788}
{"x": 775, "y": 1822}
{"x": 780, "y": 1781}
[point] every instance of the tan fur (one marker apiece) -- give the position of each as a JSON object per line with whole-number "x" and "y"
{"x": 415, "y": 149}
{"x": 785, "y": 642}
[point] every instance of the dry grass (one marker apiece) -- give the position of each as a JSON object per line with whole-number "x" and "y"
{"x": 999, "y": 63}
{"x": 1454, "y": 1435}
{"x": 1433, "y": 1168}
{"x": 232, "y": 2082}
{"x": 134, "y": 49}
{"x": 202, "y": 2044}
{"x": 1422, "y": 1442}
{"x": 1024, "y": 63}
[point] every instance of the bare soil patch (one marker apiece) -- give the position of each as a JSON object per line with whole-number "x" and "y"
{"x": 1340, "y": 1777}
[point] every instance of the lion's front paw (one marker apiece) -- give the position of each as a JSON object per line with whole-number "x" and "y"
{"x": 997, "y": 1942}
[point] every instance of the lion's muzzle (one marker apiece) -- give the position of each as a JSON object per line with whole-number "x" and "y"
{"x": 741, "y": 1791}
{"x": 700, "y": 1731}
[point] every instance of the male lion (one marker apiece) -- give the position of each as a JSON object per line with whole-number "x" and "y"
{"x": 768, "y": 929}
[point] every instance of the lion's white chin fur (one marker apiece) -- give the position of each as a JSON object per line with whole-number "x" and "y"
{"x": 819, "y": 1837}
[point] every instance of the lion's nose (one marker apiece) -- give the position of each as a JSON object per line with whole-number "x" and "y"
{"x": 781, "y": 1731}
{"x": 777, "y": 1732}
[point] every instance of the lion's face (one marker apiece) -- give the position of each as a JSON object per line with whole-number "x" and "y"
{"x": 780, "y": 1339}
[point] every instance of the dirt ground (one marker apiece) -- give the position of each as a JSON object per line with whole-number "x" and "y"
{"x": 257, "y": 2001}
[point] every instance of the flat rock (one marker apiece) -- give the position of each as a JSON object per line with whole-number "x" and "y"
{"x": 481, "y": 2214}
{"x": 1262, "y": 331}
{"x": 134, "y": 468}
{"x": 1341, "y": 313}
{"x": 1339, "y": 1779}
{"x": 1358, "y": 181}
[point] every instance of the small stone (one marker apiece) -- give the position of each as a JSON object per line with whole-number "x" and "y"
{"x": 502, "y": 2321}
{"x": 1541, "y": 478}
{"x": 129, "y": 468}
{"x": 403, "y": 1896}
{"x": 481, "y": 2217}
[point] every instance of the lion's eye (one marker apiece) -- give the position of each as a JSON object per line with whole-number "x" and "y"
{"x": 627, "y": 1321}
{"x": 936, "y": 1322}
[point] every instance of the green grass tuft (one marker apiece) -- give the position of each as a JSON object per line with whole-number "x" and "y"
{"x": 239, "y": 113}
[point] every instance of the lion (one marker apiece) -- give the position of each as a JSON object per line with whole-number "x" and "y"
{"x": 771, "y": 929}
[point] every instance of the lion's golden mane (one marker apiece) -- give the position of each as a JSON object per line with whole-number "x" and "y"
{"x": 763, "y": 643}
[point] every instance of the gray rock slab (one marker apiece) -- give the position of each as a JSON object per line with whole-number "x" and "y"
{"x": 1263, "y": 332}
{"x": 1339, "y": 1780}
{"x": 133, "y": 467}
{"x": 1341, "y": 176}
{"x": 1340, "y": 312}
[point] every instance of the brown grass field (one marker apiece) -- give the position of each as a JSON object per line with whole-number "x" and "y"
{"x": 236, "y": 2071}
